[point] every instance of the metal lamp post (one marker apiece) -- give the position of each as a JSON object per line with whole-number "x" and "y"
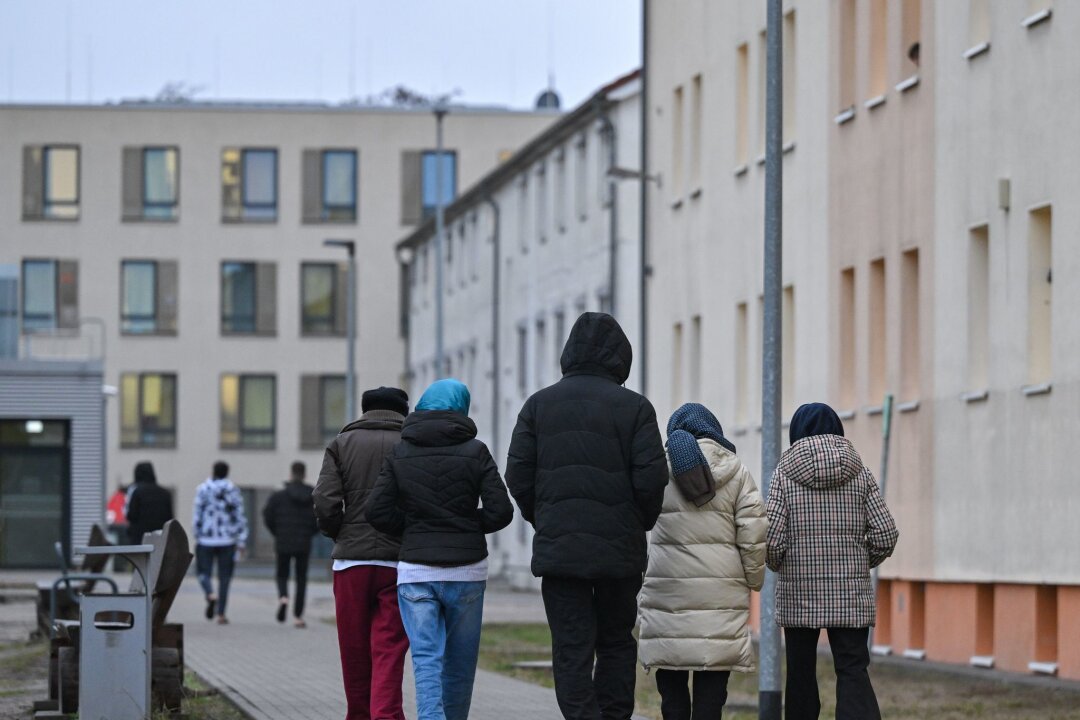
{"x": 770, "y": 699}
{"x": 350, "y": 328}
{"x": 440, "y": 111}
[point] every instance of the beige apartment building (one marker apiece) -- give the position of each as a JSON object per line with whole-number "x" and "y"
{"x": 184, "y": 243}
{"x": 929, "y": 198}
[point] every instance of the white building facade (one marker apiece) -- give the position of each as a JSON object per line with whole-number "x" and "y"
{"x": 551, "y": 233}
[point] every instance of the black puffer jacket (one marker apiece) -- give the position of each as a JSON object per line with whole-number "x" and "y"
{"x": 149, "y": 508}
{"x": 429, "y": 488}
{"x": 291, "y": 519}
{"x": 586, "y": 463}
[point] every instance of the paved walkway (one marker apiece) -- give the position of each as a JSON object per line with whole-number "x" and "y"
{"x": 275, "y": 671}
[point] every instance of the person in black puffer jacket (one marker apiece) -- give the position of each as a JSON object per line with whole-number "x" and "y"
{"x": 428, "y": 492}
{"x": 290, "y": 518}
{"x": 587, "y": 468}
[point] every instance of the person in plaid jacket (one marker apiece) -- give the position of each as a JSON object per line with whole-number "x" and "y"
{"x": 828, "y": 526}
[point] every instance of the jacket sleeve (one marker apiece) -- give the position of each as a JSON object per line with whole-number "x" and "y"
{"x": 328, "y": 498}
{"x": 750, "y": 530}
{"x": 383, "y": 509}
{"x": 521, "y": 463}
{"x": 648, "y": 469}
{"x": 241, "y": 517}
{"x": 496, "y": 512}
{"x": 134, "y": 507}
{"x": 197, "y": 512}
{"x": 268, "y": 514}
{"x": 776, "y": 510}
{"x": 881, "y": 532}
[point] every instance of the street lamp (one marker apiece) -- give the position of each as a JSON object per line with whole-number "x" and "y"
{"x": 440, "y": 111}
{"x": 350, "y": 327}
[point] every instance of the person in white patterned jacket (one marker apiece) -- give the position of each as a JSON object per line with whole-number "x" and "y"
{"x": 828, "y": 527}
{"x": 221, "y": 531}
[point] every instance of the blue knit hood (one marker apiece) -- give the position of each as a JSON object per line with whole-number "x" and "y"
{"x": 446, "y": 394}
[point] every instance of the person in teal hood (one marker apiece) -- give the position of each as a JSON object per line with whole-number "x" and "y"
{"x": 441, "y": 491}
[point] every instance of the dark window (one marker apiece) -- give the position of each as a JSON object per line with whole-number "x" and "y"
{"x": 238, "y": 297}
{"x": 320, "y": 290}
{"x": 147, "y": 410}
{"x": 430, "y": 164}
{"x": 248, "y": 410}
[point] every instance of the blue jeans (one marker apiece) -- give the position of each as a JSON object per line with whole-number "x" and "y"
{"x": 442, "y": 620}
{"x": 205, "y": 556}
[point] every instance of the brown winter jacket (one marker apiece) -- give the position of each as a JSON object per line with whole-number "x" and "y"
{"x": 350, "y": 468}
{"x": 828, "y": 526}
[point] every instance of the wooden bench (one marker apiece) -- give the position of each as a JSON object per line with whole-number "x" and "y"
{"x": 168, "y": 565}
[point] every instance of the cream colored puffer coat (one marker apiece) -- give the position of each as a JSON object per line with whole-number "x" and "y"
{"x": 703, "y": 562}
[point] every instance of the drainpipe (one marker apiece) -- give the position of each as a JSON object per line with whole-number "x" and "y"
{"x": 643, "y": 304}
{"x": 496, "y": 395}
{"x": 613, "y": 208}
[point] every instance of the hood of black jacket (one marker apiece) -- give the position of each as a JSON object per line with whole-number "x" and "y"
{"x": 597, "y": 345}
{"x": 437, "y": 428}
{"x": 298, "y": 492}
{"x": 376, "y": 420}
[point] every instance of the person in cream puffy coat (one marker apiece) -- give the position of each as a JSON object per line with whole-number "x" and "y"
{"x": 706, "y": 553}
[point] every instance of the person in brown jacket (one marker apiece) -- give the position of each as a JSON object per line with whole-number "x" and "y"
{"x": 828, "y": 526}
{"x": 370, "y": 634}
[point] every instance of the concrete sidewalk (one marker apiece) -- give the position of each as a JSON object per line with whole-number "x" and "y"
{"x": 277, "y": 672}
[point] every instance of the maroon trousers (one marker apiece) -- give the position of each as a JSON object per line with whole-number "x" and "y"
{"x": 372, "y": 641}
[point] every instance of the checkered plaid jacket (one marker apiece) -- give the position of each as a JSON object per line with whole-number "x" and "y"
{"x": 828, "y": 526}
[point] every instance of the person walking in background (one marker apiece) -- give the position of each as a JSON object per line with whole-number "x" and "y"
{"x": 586, "y": 467}
{"x": 220, "y": 535}
{"x": 828, "y": 526}
{"x": 371, "y": 637}
{"x": 149, "y": 506}
{"x": 290, "y": 518}
{"x": 706, "y": 553}
{"x": 428, "y": 492}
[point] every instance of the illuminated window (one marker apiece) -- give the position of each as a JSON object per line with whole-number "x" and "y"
{"x": 248, "y": 410}
{"x": 148, "y": 410}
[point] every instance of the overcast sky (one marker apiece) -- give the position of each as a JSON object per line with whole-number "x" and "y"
{"x": 494, "y": 51}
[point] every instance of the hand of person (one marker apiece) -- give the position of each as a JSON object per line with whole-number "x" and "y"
{"x": 241, "y": 552}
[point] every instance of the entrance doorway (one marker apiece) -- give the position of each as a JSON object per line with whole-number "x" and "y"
{"x": 35, "y": 491}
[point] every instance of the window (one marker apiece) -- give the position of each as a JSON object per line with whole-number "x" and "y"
{"x": 50, "y": 295}
{"x": 322, "y": 409}
{"x": 1040, "y": 295}
{"x": 9, "y": 311}
{"x": 560, "y": 190}
{"x": 248, "y": 298}
{"x": 50, "y": 182}
{"x": 847, "y": 338}
{"x": 790, "y": 86}
{"x": 787, "y": 355}
{"x": 696, "y": 152}
{"x": 540, "y": 352}
{"x": 523, "y": 212}
{"x": 323, "y": 295}
{"x": 148, "y": 410}
{"x": 910, "y": 308}
{"x": 248, "y": 411}
{"x": 742, "y": 364}
{"x": 677, "y": 148}
{"x": 150, "y": 183}
{"x": 432, "y": 178}
{"x": 694, "y": 374}
{"x": 876, "y": 331}
{"x": 912, "y": 29}
{"x": 879, "y": 48}
{"x": 148, "y": 297}
{"x": 581, "y": 177}
{"x": 846, "y": 66}
{"x": 978, "y": 23}
{"x": 978, "y": 307}
{"x": 330, "y": 180}
{"x": 249, "y": 180}
{"x": 742, "y": 106}
{"x": 522, "y": 358}
{"x": 541, "y": 203}
{"x": 560, "y": 339}
{"x": 762, "y": 70}
{"x": 677, "y": 365}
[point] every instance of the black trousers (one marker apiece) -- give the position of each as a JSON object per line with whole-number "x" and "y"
{"x": 301, "y": 561}
{"x": 855, "y": 699}
{"x": 594, "y": 653}
{"x": 710, "y": 694}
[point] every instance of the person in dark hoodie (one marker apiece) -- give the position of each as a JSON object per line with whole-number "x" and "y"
{"x": 828, "y": 527}
{"x": 289, "y": 517}
{"x": 149, "y": 506}
{"x": 587, "y": 468}
{"x": 370, "y": 634}
{"x": 428, "y": 492}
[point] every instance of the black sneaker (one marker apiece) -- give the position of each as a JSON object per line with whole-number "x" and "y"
{"x": 210, "y": 603}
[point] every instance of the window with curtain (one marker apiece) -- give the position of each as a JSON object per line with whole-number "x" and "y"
{"x": 148, "y": 410}
{"x": 61, "y": 180}
{"x": 339, "y": 184}
{"x": 319, "y": 298}
{"x": 138, "y": 312}
{"x": 39, "y": 295}
{"x": 160, "y": 183}
{"x": 248, "y": 411}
